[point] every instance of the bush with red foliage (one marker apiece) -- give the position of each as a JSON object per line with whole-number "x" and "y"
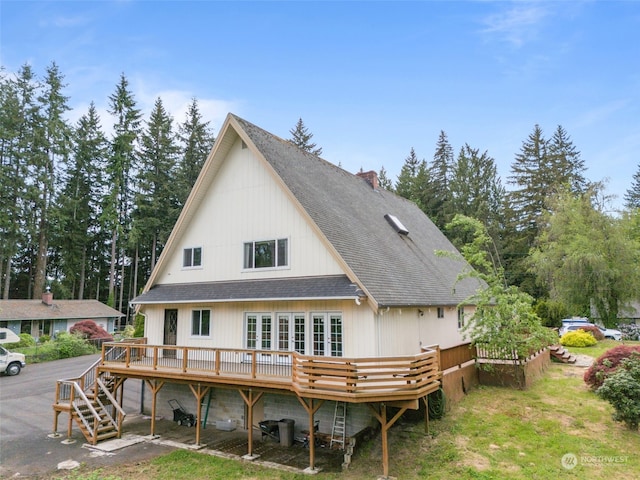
{"x": 593, "y": 330}
{"x": 607, "y": 363}
{"x": 91, "y": 330}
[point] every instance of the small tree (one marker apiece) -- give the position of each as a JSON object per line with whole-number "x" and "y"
{"x": 622, "y": 390}
{"x": 90, "y": 330}
{"x": 504, "y": 319}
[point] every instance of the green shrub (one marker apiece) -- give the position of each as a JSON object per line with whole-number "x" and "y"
{"x": 607, "y": 363}
{"x": 622, "y": 391}
{"x": 578, "y": 338}
{"x": 26, "y": 340}
{"x": 138, "y": 323}
{"x": 44, "y": 338}
{"x": 72, "y": 345}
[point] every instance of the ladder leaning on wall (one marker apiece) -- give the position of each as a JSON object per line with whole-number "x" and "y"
{"x": 338, "y": 432}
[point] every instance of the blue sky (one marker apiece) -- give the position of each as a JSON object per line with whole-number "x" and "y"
{"x": 370, "y": 80}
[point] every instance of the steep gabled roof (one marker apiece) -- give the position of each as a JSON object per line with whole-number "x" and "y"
{"x": 393, "y": 269}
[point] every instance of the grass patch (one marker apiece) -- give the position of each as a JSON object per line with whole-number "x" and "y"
{"x": 599, "y": 348}
{"x": 494, "y": 433}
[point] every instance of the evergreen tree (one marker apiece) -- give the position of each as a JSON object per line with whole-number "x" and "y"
{"x": 13, "y": 175}
{"x": 384, "y": 181}
{"x": 156, "y": 208}
{"x": 77, "y": 233}
{"x": 22, "y": 140}
{"x": 117, "y": 207}
{"x": 197, "y": 141}
{"x": 301, "y": 138}
{"x": 406, "y": 183}
{"x": 526, "y": 204}
{"x": 632, "y": 195}
{"x": 54, "y": 134}
{"x": 477, "y": 192}
{"x": 439, "y": 206}
{"x": 566, "y": 163}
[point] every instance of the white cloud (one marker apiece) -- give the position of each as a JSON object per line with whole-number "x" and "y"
{"x": 517, "y": 24}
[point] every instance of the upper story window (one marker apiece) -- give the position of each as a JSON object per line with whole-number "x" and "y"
{"x": 266, "y": 254}
{"x": 201, "y": 323}
{"x": 192, "y": 257}
{"x": 440, "y": 312}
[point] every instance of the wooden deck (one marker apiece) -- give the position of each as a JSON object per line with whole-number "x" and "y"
{"x": 354, "y": 380}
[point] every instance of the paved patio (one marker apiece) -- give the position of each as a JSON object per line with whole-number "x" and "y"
{"x": 234, "y": 444}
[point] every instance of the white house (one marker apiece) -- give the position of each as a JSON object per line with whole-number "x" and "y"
{"x": 287, "y": 259}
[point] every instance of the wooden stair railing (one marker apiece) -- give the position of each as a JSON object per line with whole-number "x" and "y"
{"x": 90, "y": 401}
{"x": 95, "y": 416}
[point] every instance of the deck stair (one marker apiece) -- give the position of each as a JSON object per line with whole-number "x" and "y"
{"x": 559, "y": 353}
{"x": 338, "y": 432}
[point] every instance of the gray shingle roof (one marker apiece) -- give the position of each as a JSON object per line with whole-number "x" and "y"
{"x": 61, "y": 309}
{"x": 306, "y": 288}
{"x": 396, "y": 269}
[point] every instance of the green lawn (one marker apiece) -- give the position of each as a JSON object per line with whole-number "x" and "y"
{"x": 494, "y": 433}
{"x": 598, "y": 349}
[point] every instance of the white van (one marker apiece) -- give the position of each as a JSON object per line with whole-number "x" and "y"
{"x": 10, "y": 363}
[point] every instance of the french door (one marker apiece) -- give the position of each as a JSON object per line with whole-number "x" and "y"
{"x": 288, "y": 332}
{"x": 327, "y": 334}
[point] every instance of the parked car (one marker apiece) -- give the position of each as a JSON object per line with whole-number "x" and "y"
{"x": 608, "y": 333}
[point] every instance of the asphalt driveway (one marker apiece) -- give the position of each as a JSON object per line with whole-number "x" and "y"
{"x": 26, "y": 421}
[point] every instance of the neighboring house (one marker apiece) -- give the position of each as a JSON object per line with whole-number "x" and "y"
{"x": 629, "y": 313}
{"x": 48, "y": 317}
{"x": 287, "y": 282}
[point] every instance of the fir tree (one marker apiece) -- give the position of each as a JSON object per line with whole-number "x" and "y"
{"x": 565, "y": 162}
{"x": 406, "y": 183}
{"x": 301, "y": 138}
{"x": 384, "y": 181}
{"x": 632, "y": 195}
{"x": 197, "y": 140}
{"x": 55, "y": 135}
{"x": 156, "y": 209}
{"x": 120, "y": 170}
{"x": 439, "y": 205}
{"x": 77, "y": 232}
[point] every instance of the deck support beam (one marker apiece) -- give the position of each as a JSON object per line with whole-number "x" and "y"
{"x": 154, "y": 385}
{"x": 381, "y": 414}
{"x": 199, "y": 393}
{"x": 250, "y": 399}
{"x": 311, "y": 409}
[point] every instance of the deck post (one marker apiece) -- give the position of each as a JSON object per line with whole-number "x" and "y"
{"x": 385, "y": 425}
{"x": 199, "y": 394}
{"x": 154, "y": 385}
{"x": 250, "y": 400}
{"x": 311, "y": 410}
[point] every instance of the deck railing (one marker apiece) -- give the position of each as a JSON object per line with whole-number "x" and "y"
{"x": 402, "y": 376}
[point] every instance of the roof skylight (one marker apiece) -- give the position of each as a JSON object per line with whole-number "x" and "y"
{"x": 397, "y": 224}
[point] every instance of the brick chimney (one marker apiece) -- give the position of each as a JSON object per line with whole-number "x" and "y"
{"x": 47, "y": 298}
{"x": 371, "y": 176}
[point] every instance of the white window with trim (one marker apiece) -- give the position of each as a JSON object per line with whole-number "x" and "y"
{"x": 201, "y": 323}
{"x": 192, "y": 257}
{"x": 266, "y": 254}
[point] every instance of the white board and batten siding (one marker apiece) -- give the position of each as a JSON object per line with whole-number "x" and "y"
{"x": 228, "y": 323}
{"x": 245, "y": 203}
